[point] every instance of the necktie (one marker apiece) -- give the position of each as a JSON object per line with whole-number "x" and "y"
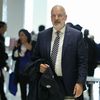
{"x": 55, "y": 49}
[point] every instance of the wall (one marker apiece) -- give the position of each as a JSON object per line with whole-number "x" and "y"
{"x": 83, "y": 12}
{"x": 39, "y": 14}
{"x": 15, "y": 17}
{"x": 1, "y": 9}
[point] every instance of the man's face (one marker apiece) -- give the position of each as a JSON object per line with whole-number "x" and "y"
{"x": 3, "y": 29}
{"x": 58, "y": 18}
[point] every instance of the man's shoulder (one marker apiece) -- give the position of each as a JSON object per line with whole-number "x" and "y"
{"x": 73, "y": 30}
{"x": 46, "y": 32}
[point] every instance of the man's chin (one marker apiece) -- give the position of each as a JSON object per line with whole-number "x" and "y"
{"x": 57, "y": 27}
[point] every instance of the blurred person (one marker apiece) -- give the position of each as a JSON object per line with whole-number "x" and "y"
{"x": 22, "y": 53}
{"x": 92, "y": 55}
{"x": 41, "y": 28}
{"x": 3, "y": 58}
{"x": 70, "y": 63}
{"x": 98, "y": 53}
{"x": 34, "y": 36}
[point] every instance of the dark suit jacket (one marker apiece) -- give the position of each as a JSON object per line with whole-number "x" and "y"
{"x": 74, "y": 56}
{"x": 92, "y": 55}
{"x": 3, "y": 54}
{"x": 3, "y": 57}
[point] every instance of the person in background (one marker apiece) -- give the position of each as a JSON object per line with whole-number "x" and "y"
{"x": 70, "y": 63}
{"x": 92, "y": 55}
{"x": 3, "y": 58}
{"x": 22, "y": 53}
{"x": 41, "y": 28}
{"x": 98, "y": 53}
{"x": 34, "y": 36}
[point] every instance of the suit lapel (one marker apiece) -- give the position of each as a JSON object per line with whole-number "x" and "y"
{"x": 66, "y": 39}
{"x": 48, "y": 42}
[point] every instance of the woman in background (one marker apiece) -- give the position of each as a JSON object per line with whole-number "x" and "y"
{"x": 22, "y": 53}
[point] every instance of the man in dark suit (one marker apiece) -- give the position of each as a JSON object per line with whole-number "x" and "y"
{"x": 71, "y": 60}
{"x": 3, "y": 58}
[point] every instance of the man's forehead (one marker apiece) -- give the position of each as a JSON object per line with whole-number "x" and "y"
{"x": 58, "y": 9}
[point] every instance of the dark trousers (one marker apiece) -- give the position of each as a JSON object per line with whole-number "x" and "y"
{"x": 80, "y": 98}
{"x": 23, "y": 88}
{"x": 61, "y": 84}
{"x": 2, "y": 94}
{"x": 23, "y": 82}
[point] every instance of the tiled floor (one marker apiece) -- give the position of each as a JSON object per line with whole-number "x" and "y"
{"x": 86, "y": 97}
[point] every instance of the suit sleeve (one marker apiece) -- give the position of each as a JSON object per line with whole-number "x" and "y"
{"x": 82, "y": 60}
{"x": 36, "y": 52}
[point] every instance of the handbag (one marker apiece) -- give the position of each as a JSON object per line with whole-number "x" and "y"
{"x": 12, "y": 86}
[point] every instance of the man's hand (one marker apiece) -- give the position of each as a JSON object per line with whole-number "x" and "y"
{"x": 43, "y": 67}
{"x": 6, "y": 68}
{"x": 78, "y": 90}
{"x": 28, "y": 46}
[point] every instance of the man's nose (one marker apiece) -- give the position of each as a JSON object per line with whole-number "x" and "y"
{"x": 56, "y": 17}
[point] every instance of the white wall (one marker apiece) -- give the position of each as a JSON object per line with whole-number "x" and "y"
{"x": 35, "y": 14}
{"x": 39, "y": 14}
{"x": 83, "y": 12}
{"x": 1, "y": 9}
{"x": 15, "y": 17}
